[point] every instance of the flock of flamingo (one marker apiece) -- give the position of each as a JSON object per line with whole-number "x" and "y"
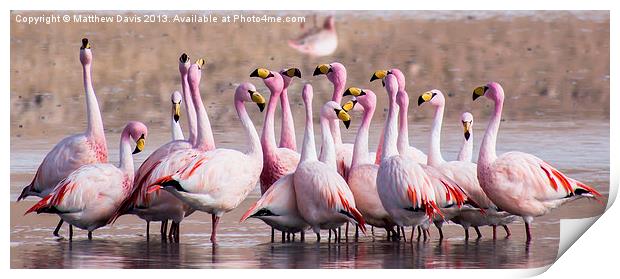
{"x": 395, "y": 187}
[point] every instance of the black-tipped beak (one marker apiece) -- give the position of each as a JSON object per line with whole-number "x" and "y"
{"x": 420, "y": 100}
{"x": 184, "y": 58}
{"x": 136, "y": 150}
{"x": 479, "y": 91}
{"x": 297, "y": 73}
{"x": 176, "y": 118}
{"x": 373, "y": 78}
{"x": 254, "y": 74}
{"x": 347, "y": 92}
{"x": 261, "y": 107}
{"x": 383, "y": 83}
{"x": 475, "y": 96}
{"x": 317, "y": 72}
{"x": 347, "y": 123}
{"x": 85, "y": 43}
{"x": 467, "y": 135}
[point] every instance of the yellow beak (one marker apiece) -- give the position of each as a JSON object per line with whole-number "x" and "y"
{"x": 139, "y": 145}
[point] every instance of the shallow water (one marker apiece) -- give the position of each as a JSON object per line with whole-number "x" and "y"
{"x": 583, "y": 154}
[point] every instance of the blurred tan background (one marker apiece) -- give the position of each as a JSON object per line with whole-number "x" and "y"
{"x": 553, "y": 65}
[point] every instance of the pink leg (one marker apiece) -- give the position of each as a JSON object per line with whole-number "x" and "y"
{"x": 528, "y": 233}
{"x": 494, "y": 231}
{"x": 215, "y": 220}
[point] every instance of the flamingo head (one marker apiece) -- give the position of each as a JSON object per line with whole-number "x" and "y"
{"x": 273, "y": 80}
{"x": 246, "y": 92}
{"x": 138, "y": 132}
{"x": 184, "y": 63}
{"x": 433, "y": 97}
{"x": 333, "y": 111}
{"x": 289, "y": 74}
{"x": 381, "y": 74}
{"x": 491, "y": 90}
{"x": 391, "y": 85}
{"x": 467, "y": 119}
{"x": 365, "y": 97}
{"x": 194, "y": 72}
{"x": 86, "y": 56}
{"x": 176, "y": 105}
{"x": 336, "y": 72}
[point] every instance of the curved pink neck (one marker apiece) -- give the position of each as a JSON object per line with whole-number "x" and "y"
{"x": 328, "y": 150}
{"x": 125, "y": 156}
{"x": 255, "y": 149}
{"x": 190, "y": 109}
{"x": 487, "y": 153}
{"x": 308, "y": 148}
{"x": 204, "y": 140}
{"x": 287, "y": 131}
{"x": 389, "y": 138}
{"x": 403, "y": 131}
{"x": 95, "y": 124}
{"x": 268, "y": 136}
{"x": 360, "y": 149}
{"x": 434, "y": 156}
{"x": 334, "y": 125}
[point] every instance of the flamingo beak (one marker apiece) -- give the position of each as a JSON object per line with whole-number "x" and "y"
{"x": 344, "y": 116}
{"x": 177, "y": 112}
{"x": 184, "y": 58}
{"x": 293, "y": 72}
{"x": 425, "y": 97}
{"x": 378, "y": 75}
{"x": 466, "y": 129}
{"x": 355, "y": 91}
{"x": 322, "y": 69}
{"x": 139, "y": 145}
{"x": 479, "y": 91}
{"x": 350, "y": 105}
{"x": 258, "y": 99}
{"x": 85, "y": 44}
{"x": 200, "y": 62}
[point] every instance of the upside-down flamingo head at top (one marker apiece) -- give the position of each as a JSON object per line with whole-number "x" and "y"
{"x": 273, "y": 80}
{"x": 138, "y": 132}
{"x": 468, "y": 121}
{"x": 86, "y": 56}
{"x": 336, "y": 72}
{"x": 176, "y": 105}
{"x": 491, "y": 90}
{"x": 246, "y": 92}
{"x": 433, "y": 97}
{"x": 288, "y": 75}
{"x": 184, "y": 63}
{"x": 333, "y": 111}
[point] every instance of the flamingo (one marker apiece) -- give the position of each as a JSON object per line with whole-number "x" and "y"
{"x": 217, "y": 181}
{"x": 410, "y": 192}
{"x": 287, "y": 133}
{"x": 177, "y": 133}
{"x": 402, "y": 99}
{"x": 74, "y": 151}
{"x": 161, "y": 205}
{"x": 277, "y": 161}
{"x": 278, "y": 206}
{"x": 337, "y": 74}
{"x": 90, "y": 195}
{"x": 319, "y": 41}
{"x": 323, "y": 197}
{"x": 521, "y": 183}
{"x": 363, "y": 173}
{"x": 467, "y": 149}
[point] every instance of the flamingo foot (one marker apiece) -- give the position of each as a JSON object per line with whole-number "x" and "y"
{"x": 478, "y": 232}
{"x": 507, "y": 231}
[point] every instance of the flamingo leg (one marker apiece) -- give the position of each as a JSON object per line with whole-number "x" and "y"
{"x": 329, "y": 236}
{"x": 346, "y": 232}
{"x": 273, "y": 231}
{"x": 412, "y": 233}
{"x": 478, "y": 232}
{"x": 318, "y": 237}
{"x": 171, "y": 232}
{"x": 403, "y": 233}
{"x": 58, "y": 228}
{"x": 494, "y": 232}
{"x": 339, "y": 235}
{"x": 215, "y": 220}
{"x": 288, "y": 237}
{"x": 148, "y": 224}
{"x": 466, "y": 233}
{"x": 293, "y": 237}
{"x": 440, "y": 233}
{"x": 427, "y": 234}
{"x": 507, "y": 231}
{"x": 164, "y": 228}
{"x": 372, "y": 230}
{"x": 177, "y": 234}
{"x": 90, "y": 235}
{"x": 357, "y": 234}
{"x": 283, "y": 236}
{"x": 302, "y": 238}
{"x": 528, "y": 233}
{"x": 419, "y": 232}
{"x": 70, "y": 232}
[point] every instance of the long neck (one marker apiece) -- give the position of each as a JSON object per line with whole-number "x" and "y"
{"x": 190, "y": 109}
{"x": 287, "y": 132}
{"x": 389, "y": 137}
{"x": 308, "y": 148}
{"x": 403, "y": 130}
{"x": 328, "y": 151}
{"x": 204, "y": 140}
{"x": 487, "y": 150}
{"x": 334, "y": 125}
{"x": 360, "y": 149}
{"x": 177, "y": 133}
{"x": 95, "y": 124}
{"x": 268, "y": 136}
{"x": 126, "y": 158}
{"x": 434, "y": 156}
{"x": 467, "y": 149}
{"x": 253, "y": 143}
